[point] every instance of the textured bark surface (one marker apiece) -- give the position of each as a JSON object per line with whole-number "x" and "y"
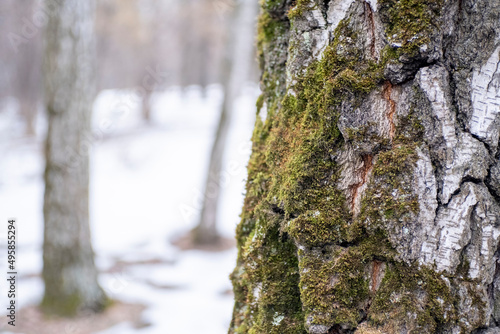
{"x": 373, "y": 194}
{"x": 69, "y": 272}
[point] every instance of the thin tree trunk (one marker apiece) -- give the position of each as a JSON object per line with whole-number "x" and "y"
{"x": 28, "y": 111}
{"x": 146, "y": 106}
{"x": 234, "y": 71}
{"x": 27, "y": 81}
{"x": 373, "y": 193}
{"x": 191, "y": 62}
{"x": 69, "y": 272}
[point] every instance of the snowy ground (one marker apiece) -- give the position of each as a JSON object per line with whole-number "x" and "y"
{"x": 146, "y": 189}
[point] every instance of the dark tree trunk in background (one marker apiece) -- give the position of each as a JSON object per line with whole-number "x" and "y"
{"x": 28, "y": 111}
{"x": 235, "y": 70}
{"x": 69, "y": 272}
{"x": 27, "y": 79}
{"x": 194, "y": 47}
{"x": 373, "y": 194}
{"x": 146, "y": 106}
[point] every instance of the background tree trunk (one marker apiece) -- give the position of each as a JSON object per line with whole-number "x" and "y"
{"x": 146, "y": 106}
{"x": 235, "y": 70}
{"x": 69, "y": 272}
{"x": 373, "y": 191}
{"x": 26, "y": 82}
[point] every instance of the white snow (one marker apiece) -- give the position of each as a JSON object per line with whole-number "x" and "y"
{"x": 146, "y": 188}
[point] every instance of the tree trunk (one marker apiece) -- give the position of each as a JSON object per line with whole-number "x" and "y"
{"x": 234, "y": 71}
{"x": 69, "y": 272}
{"x": 28, "y": 111}
{"x": 192, "y": 62}
{"x": 27, "y": 81}
{"x": 373, "y": 193}
{"x": 146, "y": 106}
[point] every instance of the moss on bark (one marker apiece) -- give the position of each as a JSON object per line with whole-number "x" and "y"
{"x": 304, "y": 258}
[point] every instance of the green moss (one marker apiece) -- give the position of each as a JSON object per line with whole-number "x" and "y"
{"x": 259, "y": 103}
{"x": 416, "y": 299}
{"x": 269, "y": 28}
{"x": 266, "y": 278}
{"x": 390, "y": 195}
{"x": 410, "y": 22}
{"x": 357, "y": 134}
{"x": 305, "y": 138}
{"x": 293, "y": 197}
{"x": 272, "y": 5}
{"x": 300, "y": 7}
{"x": 335, "y": 283}
{"x": 272, "y": 279}
{"x": 68, "y": 306}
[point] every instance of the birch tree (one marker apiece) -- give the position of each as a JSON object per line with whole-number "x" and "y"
{"x": 69, "y": 272}
{"x": 373, "y": 190}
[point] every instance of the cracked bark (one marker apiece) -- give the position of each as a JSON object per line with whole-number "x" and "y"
{"x": 392, "y": 110}
{"x": 392, "y": 218}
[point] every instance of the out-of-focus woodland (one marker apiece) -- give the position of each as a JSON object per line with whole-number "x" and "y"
{"x": 184, "y": 40}
{"x": 124, "y": 153}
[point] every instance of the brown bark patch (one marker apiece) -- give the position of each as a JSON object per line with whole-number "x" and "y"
{"x": 371, "y": 23}
{"x": 377, "y": 273}
{"x": 392, "y": 108}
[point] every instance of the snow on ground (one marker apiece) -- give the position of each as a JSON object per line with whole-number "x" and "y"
{"x": 146, "y": 188}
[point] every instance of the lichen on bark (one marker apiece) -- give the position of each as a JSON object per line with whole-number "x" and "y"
{"x": 372, "y": 203}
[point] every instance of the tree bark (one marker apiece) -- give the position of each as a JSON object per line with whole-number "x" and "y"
{"x": 69, "y": 272}
{"x": 235, "y": 69}
{"x": 373, "y": 193}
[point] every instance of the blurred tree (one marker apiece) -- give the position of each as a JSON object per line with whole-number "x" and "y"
{"x": 235, "y": 70}
{"x": 150, "y": 55}
{"x": 27, "y": 80}
{"x": 195, "y": 45}
{"x": 185, "y": 38}
{"x": 128, "y": 36}
{"x": 21, "y": 50}
{"x": 69, "y": 272}
{"x": 123, "y": 39}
